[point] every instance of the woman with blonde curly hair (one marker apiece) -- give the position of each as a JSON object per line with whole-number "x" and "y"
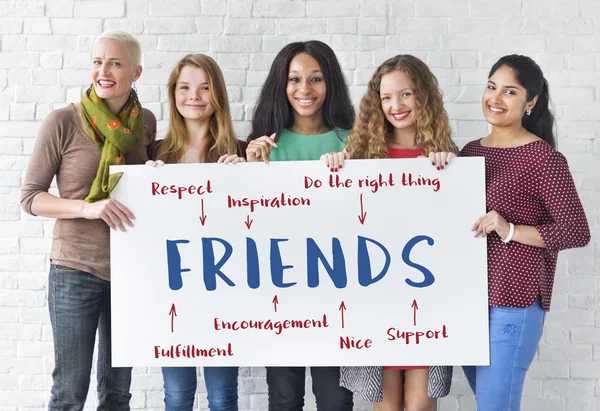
{"x": 401, "y": 116}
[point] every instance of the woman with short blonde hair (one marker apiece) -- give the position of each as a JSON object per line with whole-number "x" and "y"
{"x": 78, "y": 144}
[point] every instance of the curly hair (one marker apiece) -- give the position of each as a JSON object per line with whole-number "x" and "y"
{"x": 221, "y": 136}
{"x": 372, "y": 132}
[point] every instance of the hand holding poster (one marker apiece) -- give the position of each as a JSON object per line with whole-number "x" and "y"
{"x": 289, "y": 264}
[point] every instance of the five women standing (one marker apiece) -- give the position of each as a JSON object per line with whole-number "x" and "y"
{"x": 303, "y": 112}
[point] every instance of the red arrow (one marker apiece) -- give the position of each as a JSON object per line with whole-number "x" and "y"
{"x": 203, "y": 218}
{"x": 342, "y": 309}
{"x": 275, "y": 302}
{"x": 362, "y": 215}
{"x": 415, "y": 308}
{"x": 249, "y": 222}
{"x": 173, "y": 314}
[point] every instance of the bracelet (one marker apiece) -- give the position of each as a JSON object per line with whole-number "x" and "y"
{"x": 511, "y": 232}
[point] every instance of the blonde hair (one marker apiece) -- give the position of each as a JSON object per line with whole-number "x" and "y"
{"x": 221, "y": 136}
{"x": 372, "y": 132}
{"x": 134, "y": 50}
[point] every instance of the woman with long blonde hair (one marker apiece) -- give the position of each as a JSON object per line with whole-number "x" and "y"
{"x": 402, "y": 115}
{"x": 200, "y": 131}
{"x": 200, "y": 126}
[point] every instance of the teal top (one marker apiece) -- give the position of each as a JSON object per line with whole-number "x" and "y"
{"x": 295, "y": 147}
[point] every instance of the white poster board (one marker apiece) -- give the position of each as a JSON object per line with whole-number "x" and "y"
{"x": 288, "y": 264}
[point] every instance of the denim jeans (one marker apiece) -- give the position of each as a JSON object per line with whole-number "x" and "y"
{"x": 286, "y": 389}
{"x": 514, "y": 337}
{"x": 221, "y": 387}
{"x": 79, "y": 304}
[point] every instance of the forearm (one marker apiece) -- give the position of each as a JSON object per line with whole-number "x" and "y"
{"x": 528, "y": 235}
{"x": 47, "y": 205}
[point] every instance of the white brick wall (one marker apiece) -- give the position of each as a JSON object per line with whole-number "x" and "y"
{"x": 45, "y": 47}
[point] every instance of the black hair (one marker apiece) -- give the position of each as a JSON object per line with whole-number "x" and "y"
{"x": 273, "y": 111}
{"x": 530, "y": 76}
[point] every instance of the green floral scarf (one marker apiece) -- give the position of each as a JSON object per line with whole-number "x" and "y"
{"x": 114, "y": 135}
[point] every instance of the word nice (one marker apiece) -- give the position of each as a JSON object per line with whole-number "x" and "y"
{"x": 214, "y": 267}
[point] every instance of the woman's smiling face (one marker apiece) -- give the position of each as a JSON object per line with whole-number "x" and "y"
{"x": 504, "y": 101}
{"x": 112, "y": 71}
{"x": 192, "y": 94}
{"x": 398, "y": 101}
{"x": 306, "y": 89}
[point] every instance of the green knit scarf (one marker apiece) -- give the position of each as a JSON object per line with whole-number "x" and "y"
{"x": 114, "y": 135}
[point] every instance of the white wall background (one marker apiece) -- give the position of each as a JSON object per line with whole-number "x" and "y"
{"x": 44, "y": 60}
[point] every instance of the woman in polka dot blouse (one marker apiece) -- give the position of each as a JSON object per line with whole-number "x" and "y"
{"x": 533, "y": 212}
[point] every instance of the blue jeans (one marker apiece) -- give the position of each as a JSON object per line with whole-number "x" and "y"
{"x": 180, "y": 388}
{"x": 79, "y": 304}
{"x": 286, "y": 389}
{"x": 514, "y": 337}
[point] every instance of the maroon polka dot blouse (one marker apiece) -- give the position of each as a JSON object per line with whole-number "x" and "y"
{"x": 529, "y": 185}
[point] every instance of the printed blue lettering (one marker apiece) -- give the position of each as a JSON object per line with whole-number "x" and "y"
{"x": 253, "y": 268}
{"x": 211, "y": 270}
{"x": 277, "y": 266}
{"x": 364, "y": 262}
{"x": 337, "y": 273}
{"x": 428, "y": 277}
{"x": 174, "y": 264}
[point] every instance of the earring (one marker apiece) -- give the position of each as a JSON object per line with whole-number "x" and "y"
{"x": 89, "y": 90}
{"x": 133, "y": 94}
{"x": 529, "y": 112}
